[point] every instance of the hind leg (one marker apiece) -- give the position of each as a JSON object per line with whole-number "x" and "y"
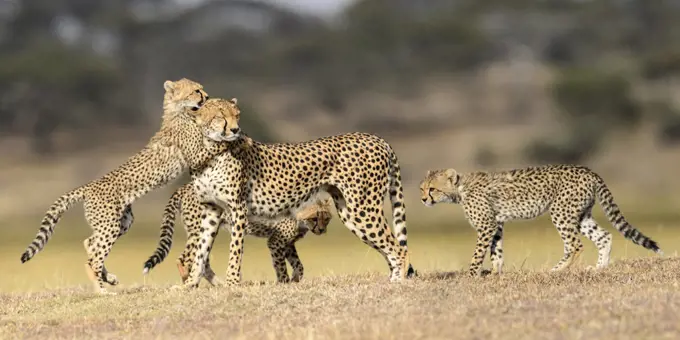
{"x": 208, "y": 273}
{"x": 125, "y": 223}
{"x": 192, "y": 224}
{"x": 101, "y": 243}
{"x": 496, "y": 251}
{"x": 599, "y": 236}
{"x": 184, "y": 259}
{"x": 371, "y": 228}
{"x": 110, "y": 278}
{"x": 105, "y": 220}
{"x": 567, "y": 226}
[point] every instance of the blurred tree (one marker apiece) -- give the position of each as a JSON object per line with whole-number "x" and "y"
{"x": 74, "y": 63}
{"x": 592, "y": 103}
{"x": 593, "y": 96}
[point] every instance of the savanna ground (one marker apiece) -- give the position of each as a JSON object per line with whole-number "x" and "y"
{"x": 345, "y": 293}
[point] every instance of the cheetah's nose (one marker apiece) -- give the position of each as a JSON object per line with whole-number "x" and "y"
{"x": 235, "y": 130}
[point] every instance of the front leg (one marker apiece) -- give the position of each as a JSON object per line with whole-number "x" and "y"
{"x": 484, "y": 234}
{"x": 210, "y": 222}
{"x": 239, "y": 213}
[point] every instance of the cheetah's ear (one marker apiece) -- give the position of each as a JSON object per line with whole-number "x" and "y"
{"x": 429, "y": 173}
{"x": 452, "y": 175}
{"x": 328, "y": 203}
{"x": 233, "y": 101}
{"x": 169, "y": 86}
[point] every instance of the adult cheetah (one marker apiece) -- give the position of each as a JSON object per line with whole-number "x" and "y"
{"x": 271, "y": 180}
{"x": 568, "y": 192}
{"x": 184, "y": 141}
{"x": 281, "y": 234}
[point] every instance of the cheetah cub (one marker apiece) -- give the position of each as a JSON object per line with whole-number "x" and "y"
{"x": 184, "y": 143}
{"x": 281, "y": 234}
{"x": 568, "y": 192}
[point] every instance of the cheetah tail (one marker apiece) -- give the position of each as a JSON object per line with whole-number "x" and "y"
{"x": 616, "y": 218}
{"x": 49, "y": 222}
{"x": 167, "y": 230}
{"x": 398, "y": 208}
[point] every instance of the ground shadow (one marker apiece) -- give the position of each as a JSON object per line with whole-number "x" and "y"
{"x": 450, "y": 275}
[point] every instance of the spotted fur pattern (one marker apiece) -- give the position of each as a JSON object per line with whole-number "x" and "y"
{"x": 358, "y": 170}
{"x": 568, "y": 192}
{"x": 184, "y": 141}
{"x": 281, "y": 235}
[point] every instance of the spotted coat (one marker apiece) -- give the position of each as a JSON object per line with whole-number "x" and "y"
{"x": 281, "y": 234}
{"x": 358, "y": 170}
{"x": 568, "y": 192}
{"x": 181, "y": 144}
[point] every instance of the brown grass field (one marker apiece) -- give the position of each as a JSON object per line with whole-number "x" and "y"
{"x": 345, "y": 293}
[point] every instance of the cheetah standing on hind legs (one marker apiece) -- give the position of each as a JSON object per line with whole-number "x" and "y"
{"x": 281, "y": 234}
{"x": 358, "y": 170}
{"x": 568, "y": 192}
{"x": 180, "y": 144}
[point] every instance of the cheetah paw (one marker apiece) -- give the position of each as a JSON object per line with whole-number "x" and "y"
{"x": 111, "y": 279}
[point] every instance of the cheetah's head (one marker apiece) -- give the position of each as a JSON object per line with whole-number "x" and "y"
{"x": 183, "y": 94}
{"x": 219, "y": 120}
{"x": 316, "y": 217}
{"x": 440, "y": 186}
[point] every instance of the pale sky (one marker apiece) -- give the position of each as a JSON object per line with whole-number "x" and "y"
{"x": 317, "y": 7}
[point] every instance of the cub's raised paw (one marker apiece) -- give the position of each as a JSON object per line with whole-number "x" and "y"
{"x": 111, "y": 279}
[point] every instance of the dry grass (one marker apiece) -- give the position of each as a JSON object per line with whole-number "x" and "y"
{"x": 632, "y": 299}
{"x": 444, "y": 246}
{"x": 345, "y": 293}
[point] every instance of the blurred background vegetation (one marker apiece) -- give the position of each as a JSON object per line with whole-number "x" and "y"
{"x": 450, "y": 83}
{"x": 71, "y": 66}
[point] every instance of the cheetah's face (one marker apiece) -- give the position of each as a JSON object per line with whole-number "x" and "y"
{"x": 219, "y": 119}
{"x": 315, "y": 217}
{"x": 439, "y": 186}
{"x": 319, "y": 223}
{"x": 185, "y": 93}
